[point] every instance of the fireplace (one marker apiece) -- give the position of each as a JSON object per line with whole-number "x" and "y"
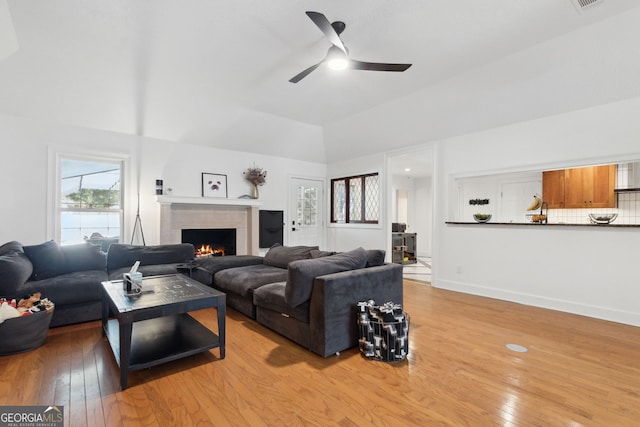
{"x": 211, "y": 241}
{"x": 187, "y": 213}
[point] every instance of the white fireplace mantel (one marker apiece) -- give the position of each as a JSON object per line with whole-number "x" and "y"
{"x": 169, "y": 200}
{"x": 177, "y": 213}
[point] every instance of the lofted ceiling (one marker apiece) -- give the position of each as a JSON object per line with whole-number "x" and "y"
{"x": 216, "y": 72}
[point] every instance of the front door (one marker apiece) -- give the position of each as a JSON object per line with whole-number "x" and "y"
{"x": 305, "y": 219}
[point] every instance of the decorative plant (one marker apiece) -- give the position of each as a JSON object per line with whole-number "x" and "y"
{"x": 255, "y": 176}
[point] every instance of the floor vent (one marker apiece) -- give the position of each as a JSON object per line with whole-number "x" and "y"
{"x": 582, "y": 5}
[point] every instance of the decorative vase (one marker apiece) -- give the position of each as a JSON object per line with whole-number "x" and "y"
{"x": 254, "y": 192}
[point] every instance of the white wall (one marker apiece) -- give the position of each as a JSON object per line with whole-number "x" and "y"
{"x": 180, "y": 167}
{"x": 423, "y": 195}
{"x": 585, "y": 270}
{"x": 24, "y": 169}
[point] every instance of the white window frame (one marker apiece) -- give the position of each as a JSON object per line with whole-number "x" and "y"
{"x": 54, "y": 209}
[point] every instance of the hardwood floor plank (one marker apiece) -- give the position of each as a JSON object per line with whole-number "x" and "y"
{"x": 62, "y": 371}
{"x": 577, "y": 371}
{"x": 77, "y": 408}
{"x": 94, "y": 408}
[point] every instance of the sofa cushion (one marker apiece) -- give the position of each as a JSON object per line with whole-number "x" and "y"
{"x": 316, "y": 253}
{"x": 82, "y": 287}
{"x": 11, "y": 247}
{"x": 243, "y": 280}
{"x": 82, "y": 257}
{"x": 47, "y": 260}
{"x": 15, "y": 268}
{"x": 148, "y": 270}
{"x": 207, "y": 267}
{"x": 375, "y": 257}
{"x": 281, "y": 256}
{"x": 121, "y": 255}
{"x": 301, "y": 274}
{"x": 271, "y": 297}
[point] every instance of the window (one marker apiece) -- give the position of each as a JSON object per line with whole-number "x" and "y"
{"x": 355, "y": 199}
{"x": 307, "y": 203}
{"x": 89, "y": 200}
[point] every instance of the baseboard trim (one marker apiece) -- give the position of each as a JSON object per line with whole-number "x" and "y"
{"x": 597, "y": 312}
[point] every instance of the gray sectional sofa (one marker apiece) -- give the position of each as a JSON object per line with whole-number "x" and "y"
{"x": 304, "y": 294}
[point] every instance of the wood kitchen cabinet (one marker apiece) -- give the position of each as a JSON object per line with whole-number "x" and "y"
{"x": 590, "y": 187}
{"x": 553, "y": 189}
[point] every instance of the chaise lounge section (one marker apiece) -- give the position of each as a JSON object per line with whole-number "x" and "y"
{"x": 311, "y": 296}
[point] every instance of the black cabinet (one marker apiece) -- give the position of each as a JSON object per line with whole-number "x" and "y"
{"x": 403, "y": 248}
{"x": 271, "y": 228}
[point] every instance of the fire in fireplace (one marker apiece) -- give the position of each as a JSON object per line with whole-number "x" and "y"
{"x": 211, "y": 241}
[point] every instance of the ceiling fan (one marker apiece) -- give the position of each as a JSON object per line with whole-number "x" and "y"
{"x": 338, "y": 55}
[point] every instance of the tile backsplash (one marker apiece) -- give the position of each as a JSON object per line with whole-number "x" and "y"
{"x": 628, "y": 211}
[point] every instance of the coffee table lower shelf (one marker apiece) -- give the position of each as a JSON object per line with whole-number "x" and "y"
{"x": 160, "y": 340}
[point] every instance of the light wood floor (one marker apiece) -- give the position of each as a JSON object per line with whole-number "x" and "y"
{"x": 578, "y": 371}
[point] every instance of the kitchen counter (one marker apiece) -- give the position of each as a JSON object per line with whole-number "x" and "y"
{"x": 531, "y": 224}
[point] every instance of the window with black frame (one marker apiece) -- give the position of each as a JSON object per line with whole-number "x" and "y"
{"x": 355, "y": 199}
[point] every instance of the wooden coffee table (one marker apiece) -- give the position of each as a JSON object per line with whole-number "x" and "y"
{"x": 155, "y": 327}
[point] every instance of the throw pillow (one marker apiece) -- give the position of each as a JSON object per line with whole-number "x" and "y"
{"x": 375, "y": 257}
{"x": 315, "y": 253}
{"x": 10, "y": 247}
{"x": 47, "y": 260}
{"x": 15, "y": 269}
{"x": 281, "y": 256}
{"x": 301, "y": 274}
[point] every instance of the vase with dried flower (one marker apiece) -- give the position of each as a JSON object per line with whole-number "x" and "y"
{"x": 256, "y": 177}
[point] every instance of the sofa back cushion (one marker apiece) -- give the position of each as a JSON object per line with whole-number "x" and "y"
{"x": 316, "y": 253}
{"x": 375, "y": 257}
{"x": 121, "y": 255}
{"x": 47, "y": 260}
{"x": 15, "y": 268}
{"x": 301, "y": 274}
{"x": 82, "y": 257}
{"x": 281, "y": 256}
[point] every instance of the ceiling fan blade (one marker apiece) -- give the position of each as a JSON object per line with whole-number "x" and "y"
{"x": 304, "y": 73}
{"x": 325, "y": 26}
{"x": 375, "y": 66}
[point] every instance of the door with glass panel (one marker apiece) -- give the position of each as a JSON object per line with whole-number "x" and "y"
{"x": 305, "y": 216}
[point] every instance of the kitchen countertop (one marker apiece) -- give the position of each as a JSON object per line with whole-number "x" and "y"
{"x": 543, "y": 225}
{"x": 539, "y": 225}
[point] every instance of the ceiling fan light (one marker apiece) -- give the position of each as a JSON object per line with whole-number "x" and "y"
{"x": 338, "y": 63}
{"x": 337, "y": 59}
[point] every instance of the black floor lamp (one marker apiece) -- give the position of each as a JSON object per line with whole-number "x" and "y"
{"x": 138, "y": 223}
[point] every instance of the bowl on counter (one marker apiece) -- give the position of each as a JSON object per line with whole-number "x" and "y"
{"x": 602, "y": 218}
{"x": 479, "y": 217}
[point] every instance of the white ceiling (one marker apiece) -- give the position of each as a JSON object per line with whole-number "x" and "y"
{"x": 216, "y": 72}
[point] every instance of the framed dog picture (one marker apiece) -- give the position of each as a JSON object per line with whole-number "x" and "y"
{"x": 214, "y": 185}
